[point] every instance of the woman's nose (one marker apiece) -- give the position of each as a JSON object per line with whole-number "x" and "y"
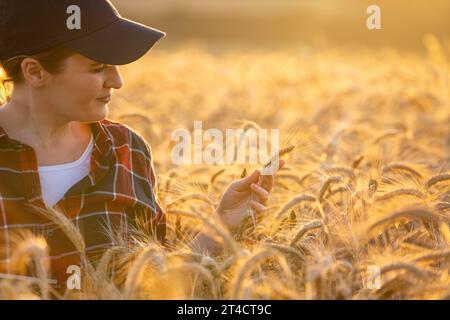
{"x": 114, "y": 79}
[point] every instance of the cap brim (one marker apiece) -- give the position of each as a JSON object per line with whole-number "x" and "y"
{"x": 121, "y": 42}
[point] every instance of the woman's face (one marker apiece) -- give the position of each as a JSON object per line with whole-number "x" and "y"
{"x": 81, "y": 91}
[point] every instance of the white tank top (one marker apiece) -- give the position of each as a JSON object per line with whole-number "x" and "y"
{"x": 58, "y": 179}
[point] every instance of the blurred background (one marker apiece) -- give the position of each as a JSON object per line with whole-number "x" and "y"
{"x": 274, "y": 24}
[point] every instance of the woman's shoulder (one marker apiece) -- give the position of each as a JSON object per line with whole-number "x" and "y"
{"x": 123, "y": 135}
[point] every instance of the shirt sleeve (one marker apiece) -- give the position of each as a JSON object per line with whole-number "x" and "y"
{"x": 150, "y": 216}
{"x": 159, "y": 219}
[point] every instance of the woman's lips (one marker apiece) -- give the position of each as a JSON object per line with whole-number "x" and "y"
{"x": 105, "y": 99}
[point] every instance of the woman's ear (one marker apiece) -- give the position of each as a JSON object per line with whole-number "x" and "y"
{"x": 32, "y": 72}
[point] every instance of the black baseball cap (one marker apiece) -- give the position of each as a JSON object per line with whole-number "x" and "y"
{"x": 93, "y": 28}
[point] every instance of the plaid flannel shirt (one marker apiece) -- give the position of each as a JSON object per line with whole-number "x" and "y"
{"x": 120, "y": 187}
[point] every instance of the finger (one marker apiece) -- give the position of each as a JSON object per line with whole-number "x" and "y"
{"x": 244, "y": 183}
{"x": 258, "y": 207}
{"x": 262, "y": 194}
{"x": 268, "y": 180}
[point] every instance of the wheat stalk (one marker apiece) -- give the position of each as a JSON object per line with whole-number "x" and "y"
{"x": 189, "y": 197}
{"x": 400, "y": 192}
{"x": 316, "y": 224}
{"x": 438, "y": 178}
{"x": 295, "y": 201}
{"x": 247, "y": 267}
{"x": 444, "y": 254}
{"x": 134, "y": 275}
{"x": 412, "y": 268}
{"x": 217, "y": 227}
{"x": 415, "y": 213}
{"x": 326, "y": 184}
{"x": 276, "y": 157}
{"x": 340, "y": 169}
{"x": 199, "y": 269}
{"x": 401, "y": 166}
{"x": 30, "y": 247}
{"x": 215, "y": 175}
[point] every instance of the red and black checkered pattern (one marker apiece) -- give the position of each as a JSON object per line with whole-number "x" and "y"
{"x": 120, "y": 187}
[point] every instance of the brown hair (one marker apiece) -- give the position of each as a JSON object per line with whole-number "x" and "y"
{"x": 52, "y": 60}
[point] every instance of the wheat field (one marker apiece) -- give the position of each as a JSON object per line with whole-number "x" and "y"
{"x": 368, "y": 184}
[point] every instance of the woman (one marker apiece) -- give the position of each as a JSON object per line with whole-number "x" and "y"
{"x": 58, "y": 149}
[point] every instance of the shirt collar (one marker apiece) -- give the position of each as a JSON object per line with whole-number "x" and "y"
{"x": 102, "y": 152}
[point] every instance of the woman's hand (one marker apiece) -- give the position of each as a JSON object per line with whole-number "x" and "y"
{"x": 244, "y": 194}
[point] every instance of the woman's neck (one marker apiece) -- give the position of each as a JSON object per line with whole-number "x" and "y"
{"x": 24, "y": 119}
{"x": 24, "y": 122}
{"x": 53, "y": 145}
